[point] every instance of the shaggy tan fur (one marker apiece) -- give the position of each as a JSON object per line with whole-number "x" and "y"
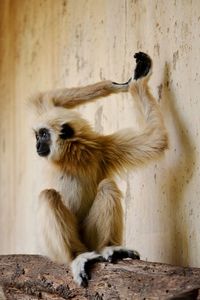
{"x": 82, "y": 209}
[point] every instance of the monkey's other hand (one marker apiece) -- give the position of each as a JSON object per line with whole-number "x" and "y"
{"x": 143, "y": 65}
{"x": 81, "y": 267}
{"x": 114, "y": 253}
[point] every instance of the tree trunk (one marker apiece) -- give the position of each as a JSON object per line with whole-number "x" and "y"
{"x": 28, "y": 277}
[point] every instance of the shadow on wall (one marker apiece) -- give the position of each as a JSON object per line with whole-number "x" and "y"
{"x": 178, "y": 179}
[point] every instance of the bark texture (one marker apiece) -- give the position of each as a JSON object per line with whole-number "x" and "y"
{"x": 31, "y": 277}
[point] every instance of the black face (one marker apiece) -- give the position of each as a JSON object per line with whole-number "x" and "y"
{"x": 43, "y": 141}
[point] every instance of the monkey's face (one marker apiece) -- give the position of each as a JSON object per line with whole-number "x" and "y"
{"x": 43, "y": 141}
{"x": 50, "y": 130}
{"x": 47, "y": 140}
{"x": 60, "y": 135}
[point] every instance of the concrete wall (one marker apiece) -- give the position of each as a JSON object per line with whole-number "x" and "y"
{"x": 49, "y": 44}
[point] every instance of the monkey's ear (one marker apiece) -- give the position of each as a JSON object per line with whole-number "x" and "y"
{"x": 66, "y": 132}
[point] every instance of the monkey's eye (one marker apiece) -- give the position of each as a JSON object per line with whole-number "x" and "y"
{"x": 44, "y": 133}
{"x": 66, "y": 132}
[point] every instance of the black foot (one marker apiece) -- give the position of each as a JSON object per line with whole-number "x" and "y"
{"x": 122, "y": 254}
{"x": 87, "y": 270}
{"x": 143, "y": 66}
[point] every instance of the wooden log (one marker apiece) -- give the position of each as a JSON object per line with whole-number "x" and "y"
{"x": 31, "y": 277}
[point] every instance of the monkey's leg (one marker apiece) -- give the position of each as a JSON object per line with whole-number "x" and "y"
{"x": 60, "y": 238}
{"x": 104, "y": 225}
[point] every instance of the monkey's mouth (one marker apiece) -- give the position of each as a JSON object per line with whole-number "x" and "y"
{"x": 43, "y": 153}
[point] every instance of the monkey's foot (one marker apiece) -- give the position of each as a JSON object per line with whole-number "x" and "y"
{"x": 81, "y": 267}
{"x": 143, "y": 65}
{"x": 114, "y": 253}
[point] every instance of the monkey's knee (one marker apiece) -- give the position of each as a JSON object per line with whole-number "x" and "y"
{"x": 50, "y": 197}
{"x": 108, "y": 187}
{"x": 49, "y": 194}
{"x": 48, "y": 205}
{"x": 108, "y": 198}
{"x": 52, "y": 203}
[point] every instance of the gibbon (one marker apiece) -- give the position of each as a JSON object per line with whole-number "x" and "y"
{"x": 80, "y": 214}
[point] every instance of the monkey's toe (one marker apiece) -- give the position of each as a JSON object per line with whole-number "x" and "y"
{"x": 122, "y": 254}
{"x": 84, "y": 279}
{"x": 143, "y": 65}
{"x": 114, "y": 253}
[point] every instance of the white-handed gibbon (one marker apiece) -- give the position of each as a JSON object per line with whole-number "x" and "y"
{"x": 80, "y": 214}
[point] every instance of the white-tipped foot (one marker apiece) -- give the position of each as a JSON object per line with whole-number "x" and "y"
{"x": 115, "y": 253}
{"x": 80, "y": 268}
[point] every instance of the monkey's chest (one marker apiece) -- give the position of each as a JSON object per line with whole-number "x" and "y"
{"x": 78, "y": 194}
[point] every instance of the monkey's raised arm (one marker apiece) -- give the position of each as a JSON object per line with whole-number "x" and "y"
{"x": 72, "y": 97}
{"x": 126, "y": 149}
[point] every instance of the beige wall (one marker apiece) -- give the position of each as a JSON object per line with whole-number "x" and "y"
{"x": 48, "y": 44}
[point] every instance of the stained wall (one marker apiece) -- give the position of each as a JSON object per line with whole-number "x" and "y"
{"x": 47, "y": 44}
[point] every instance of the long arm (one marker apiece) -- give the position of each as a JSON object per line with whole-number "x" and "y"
{"x": 125, "y": 149}
{"x": 72, "y": 97}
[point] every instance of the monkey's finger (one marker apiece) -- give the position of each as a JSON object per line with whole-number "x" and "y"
{"x": 133, "y": 254}
{"x": 90, "y": 263}
{"x": 113, "y": 258}
{"x": 84, "y": 280}
{"x": 84, "y": 277}
{"x": 141, "y": 56}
